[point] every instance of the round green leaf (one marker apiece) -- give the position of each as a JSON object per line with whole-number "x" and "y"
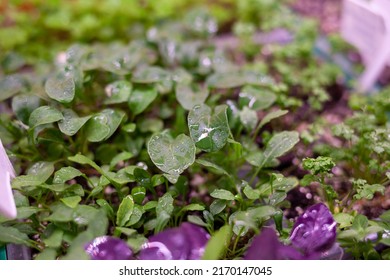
{"x": 71, "y": 123}
{"x": 141, "y": 98}
{"x": 151, "y": 74}
{"x": 44, "y": 115}
{"x": 118, "y": 92}
{"x": 209, "y": 131}
{"x": 71, "y": 201}
{"x": 23, "y": 105}
{"x": 103, "y": 125}
{"x": 66, "y": 174}
{"x": 190, "y": 95}
{"x": 248, "y": 118}
{"x": 256, "y": 98}
{"x": 170, "y": 155}
{"x": 61, "y": 87}
{"x": 97, "y": 129}
{"x": 10, "y": 85}
{"x": 36, "y": 175}
{"x": 225, "y": 80}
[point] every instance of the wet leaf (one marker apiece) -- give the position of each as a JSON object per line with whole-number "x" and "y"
{"x": 10, "y": 85}
{"x": 193, "y": 207}
{"x": 121, "y": 157}
{"x": 44, "y": 115}
{"x": 190, "y": 95}
{"x": 164, "y": 211}
{"x": 71, "y": 123}
{"x": 71, "y": 201}
{"x": 170, "y": 155}
{"x": 138, "y": 193}
{"x": 256, "y": 98}
{"x": 118, "y": 92}
{"x": 248, "y": 118}
{"x": 225, "y": 80}
{"x": 61, "y": 87}
{"x": 36, "y": 175}
{"x": 151, "y": 74}
{"x": 125, "y": 210}
{"x": 217, "y": 206}
{"x": 251, "y": 193}
{"x": 97, "y": 128}
{"x": 343, "y": 219}
{"x": 103, "y": 125}
{"x": 209, "y": 131}
{"x": 66, "y": 174}
{"x": 222, "y": 194}
{"x": 12, "y": 235}
{"x": 279, "y": 144}
{"x": 23, "y": 105}
{"x": 55, "y": 238}
{"x": 272, "y": 115}
{"x": 214, "y": 167}
{"x": 141, "y": 98}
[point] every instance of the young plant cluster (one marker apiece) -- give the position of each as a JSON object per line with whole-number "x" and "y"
{"x": 122, "y": 149}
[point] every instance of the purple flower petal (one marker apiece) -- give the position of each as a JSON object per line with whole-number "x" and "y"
{"x": 314, "y": 230}
{"x": 267, "y": 246}
{"x": 198, "y": 239}
{"x": 108, "y": 248}
{"x": 186, "y": 242}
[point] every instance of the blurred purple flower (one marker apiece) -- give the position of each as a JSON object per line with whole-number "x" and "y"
{"x": 186, "y": 242}
{"x": 312, "y": 234}
{"x": 267, "y": 246}
{"x": 108, "y": 248}
{"x": 314, "y": 230}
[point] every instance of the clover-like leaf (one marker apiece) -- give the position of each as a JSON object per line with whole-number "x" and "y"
{"x": 191, "y": 95}
{"x": 256, "y": 98}
{"x": 36, "y": 175}
{"x": 101, "y": 126}
{"x": 97, "y": 129}
{"x": 44, "y": 115}
{"x": 222, "y": 194}
{"x": 71, "y": 123}
{"x": 225, "y": 80}
{"x": 10, "y": 85}
{"x": 170, "y": 155}
{"x": 279, "y": 144}
{"x": 141, "y": 98}
{"x": 61, "y": 87}
{"x": 150, "y": 74}
{"x": 209, "y": 131}
{"x": 248, "y": 118}
{"x": 23, "y": 105}
{"x": 66, "y": 174}
{"x": 118, "y": 92}
{"x": 270, "y": 116}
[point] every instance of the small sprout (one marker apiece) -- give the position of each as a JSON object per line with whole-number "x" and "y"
{"x": 318, "y": 165}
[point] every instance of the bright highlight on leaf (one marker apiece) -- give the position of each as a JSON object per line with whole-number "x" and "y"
{"x": 170, "y": 155}
{"x": 209, "y": 130}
